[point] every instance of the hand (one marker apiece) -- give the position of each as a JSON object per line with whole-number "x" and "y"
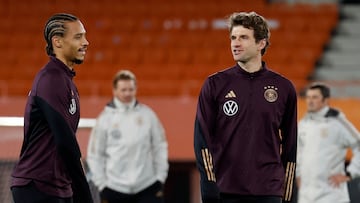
{"x": 337, "y": 179}
{"x": 298, "y": 182}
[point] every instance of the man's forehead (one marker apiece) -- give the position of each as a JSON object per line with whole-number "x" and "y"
{"x": 126, "y": 82}
{"x": 313, "y": 92}
{"x": 239, "y": 29}
{"x": 74, "y": 27}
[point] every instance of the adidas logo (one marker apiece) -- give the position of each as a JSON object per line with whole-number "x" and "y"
{"x": 231, "y": 94}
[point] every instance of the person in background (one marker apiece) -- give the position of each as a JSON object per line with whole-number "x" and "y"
{"x": 127, "y": 151}
{"x": 246, "y": 123}
{"x": 324, "y": 137}
{"x": 49, "y": 169}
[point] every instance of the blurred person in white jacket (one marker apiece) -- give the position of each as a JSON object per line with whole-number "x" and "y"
{"x": 323, "y": 139}
{"x": 127, "y": 152}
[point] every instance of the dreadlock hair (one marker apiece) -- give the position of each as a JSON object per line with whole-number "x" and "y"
{"x": 55, "y": 26}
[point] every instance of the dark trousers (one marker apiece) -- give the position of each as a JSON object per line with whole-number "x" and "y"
{"x": 30, "y": 194}
{"x": 229, "y": 198}
{"x": 152, "y": 194}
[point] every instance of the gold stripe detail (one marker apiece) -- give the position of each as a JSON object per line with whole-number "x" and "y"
{"x": 281, "y": 145}
{"x": 205, "y": 163}
{"x": 286, "y": 181}
{"x": 211, "y": 166}
{"x": 208, "y": 164}
{"x": 289, "y": 180}
{"x": 292, "y": 179}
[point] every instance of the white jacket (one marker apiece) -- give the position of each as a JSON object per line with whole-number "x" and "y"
{"x": 322, "y": 145}
{"x": 127, "y": 149}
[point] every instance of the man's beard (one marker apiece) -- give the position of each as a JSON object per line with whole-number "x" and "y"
{"x": 77, "y": 61}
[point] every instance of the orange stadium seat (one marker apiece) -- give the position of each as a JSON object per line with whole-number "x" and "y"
{"x": 179, "y": 56}
{"x": 158, "y": 72}
{"x": 205, "y": 56}
{"x": 159, "y": 87}
{"x": 18, "y": 87}
{"x": 124, "y": 25}
{"x": 129, "y": 57}
{"x": 153, "y": 56}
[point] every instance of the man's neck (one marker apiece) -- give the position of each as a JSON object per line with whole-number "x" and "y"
{"x": 250, "y": 66}
{"x": 69, "y": 64}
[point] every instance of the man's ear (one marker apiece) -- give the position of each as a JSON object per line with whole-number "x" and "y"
{"x": 326, "y": 101}
{"x": 56, "y": 40}
{"x": 262, "y": 44}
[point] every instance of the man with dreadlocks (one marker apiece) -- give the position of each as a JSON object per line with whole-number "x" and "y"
{"x": 49, "y": 168}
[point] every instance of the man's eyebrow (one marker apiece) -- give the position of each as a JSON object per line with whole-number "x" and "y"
{"x": 79, "y": 34}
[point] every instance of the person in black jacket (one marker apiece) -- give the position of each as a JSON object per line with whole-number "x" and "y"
{"x": 49, "y": 169}
{"x": 246, "y": 124}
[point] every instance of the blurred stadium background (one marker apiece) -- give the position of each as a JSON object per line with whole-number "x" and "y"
{"x": 172, "y": 46}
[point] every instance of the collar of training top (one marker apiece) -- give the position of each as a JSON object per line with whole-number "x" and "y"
{"x": 68, "y": 71}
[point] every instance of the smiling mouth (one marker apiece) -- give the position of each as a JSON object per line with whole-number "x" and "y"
{"x": 82, "y": 51}
{"x": 236, "y": 52}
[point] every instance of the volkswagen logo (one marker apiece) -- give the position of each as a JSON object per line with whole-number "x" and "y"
{"x": 230, "y": 108}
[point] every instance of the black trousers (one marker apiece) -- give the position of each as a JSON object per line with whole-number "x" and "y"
{"x": 152, "y": 194}
{"x": 30, "y": 194}
{"x": 229, "y": 198}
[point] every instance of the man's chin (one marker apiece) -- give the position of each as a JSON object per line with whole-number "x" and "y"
{"x": 240, "y": 60}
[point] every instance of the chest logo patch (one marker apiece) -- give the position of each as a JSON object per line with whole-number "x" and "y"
{"x": 230, "y": 108}
{"x": 270, "y": 93}
{"x": 231, "y": 94}
{"x": 139, "y": 121}
{"x": 324, "y": 133}
{"x": 72, "y": 108}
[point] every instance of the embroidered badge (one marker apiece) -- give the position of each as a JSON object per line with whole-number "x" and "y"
{"x": 72, "y": 108}
{"x": 324, "y": 133}
{"x": 230, "y": 108}
{"x": 270, "y": 93}
{"x": 139, "y": 121}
